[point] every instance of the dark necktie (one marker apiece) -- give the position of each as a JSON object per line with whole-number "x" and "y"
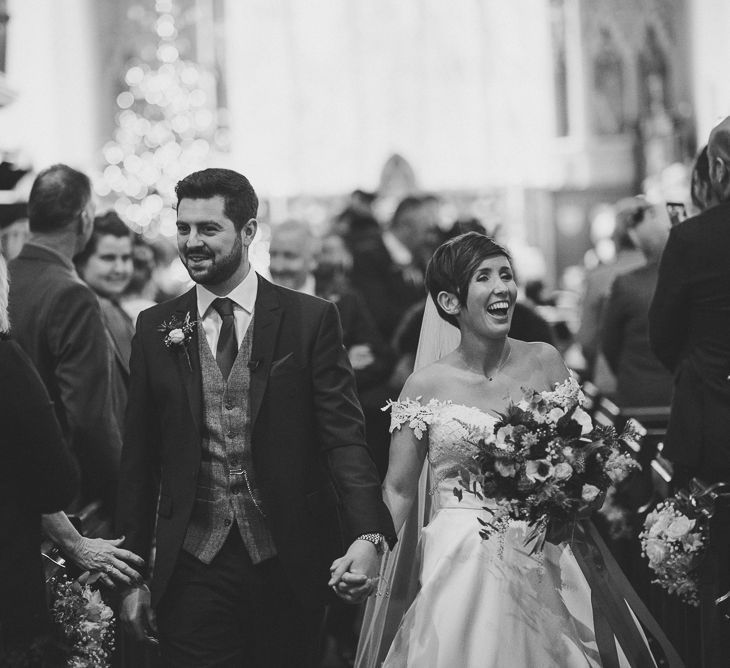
{"x": 227, "y": 348}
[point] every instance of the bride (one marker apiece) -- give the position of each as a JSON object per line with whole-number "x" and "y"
{"x": 447, "y": 598}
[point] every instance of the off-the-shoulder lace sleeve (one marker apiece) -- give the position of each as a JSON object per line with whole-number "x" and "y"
{"x": 412, "y": 412}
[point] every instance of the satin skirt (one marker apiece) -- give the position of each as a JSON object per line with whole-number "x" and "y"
{"x": 491, "y": 604}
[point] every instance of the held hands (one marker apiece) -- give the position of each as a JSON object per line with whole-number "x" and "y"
{"x": 116, "y": 565}
{"x": 354, "y": 576}
{"x": 137, "y": 615}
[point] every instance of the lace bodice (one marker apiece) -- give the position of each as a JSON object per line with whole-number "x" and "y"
{"x": 452, "y": 431}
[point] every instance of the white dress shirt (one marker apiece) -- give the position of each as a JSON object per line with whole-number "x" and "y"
{"x": 243, "y": 297}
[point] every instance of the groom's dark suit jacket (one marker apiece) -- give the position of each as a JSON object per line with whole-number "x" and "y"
{"x": 689, "y": 328}
{"x": 319, "y": 485}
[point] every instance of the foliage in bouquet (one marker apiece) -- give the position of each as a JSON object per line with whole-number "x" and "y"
{"x": 544, "y": 461}
{"x": 85, "y": 621}
{"x": 674, "y": 541}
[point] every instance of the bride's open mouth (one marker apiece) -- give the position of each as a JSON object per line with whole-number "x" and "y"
{"x": 499, "y": 309}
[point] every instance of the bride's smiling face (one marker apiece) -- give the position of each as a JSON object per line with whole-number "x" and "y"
{"x": 490, "y": 300}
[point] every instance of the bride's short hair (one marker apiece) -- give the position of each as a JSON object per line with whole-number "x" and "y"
{"x": 453, "y": 264}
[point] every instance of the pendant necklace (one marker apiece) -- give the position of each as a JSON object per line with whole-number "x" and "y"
{"x": 502, "y": 362}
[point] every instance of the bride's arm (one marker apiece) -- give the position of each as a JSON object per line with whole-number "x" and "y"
{"x": 404, "y": 469}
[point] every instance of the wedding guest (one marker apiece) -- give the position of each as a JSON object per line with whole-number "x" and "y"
{"x": 413, "y": 236}
{"x": 598, "y": 283}
{"x": 141, "y": 291}
{"x": 641, "y": 379}
{"x": 57, "y": 321}
{"x": 14, "y": 230}
{"x": 374, "y": 274}
{"x": 105, "y": 265}
{"x": 701, "y": 190}
{"x": 689, "y": 328}
{"x": 245, "y": 439}
{"x": 37, "y": 475}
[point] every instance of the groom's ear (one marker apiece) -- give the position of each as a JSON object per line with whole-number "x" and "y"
{"x": 248, "y": 231}
{"x": 448, "y": 302}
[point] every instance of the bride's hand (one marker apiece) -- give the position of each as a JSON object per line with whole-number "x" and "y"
{"x": 354, "y": 575}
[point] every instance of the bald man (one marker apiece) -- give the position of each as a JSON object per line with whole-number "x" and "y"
{"x": 292, "y": 256}
{"x": 689, "y": 323}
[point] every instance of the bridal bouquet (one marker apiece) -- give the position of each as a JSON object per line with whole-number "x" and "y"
{"x": 674, "y": 540}
{"x": 544, "y": 462}
{"x": 85, "y": 621}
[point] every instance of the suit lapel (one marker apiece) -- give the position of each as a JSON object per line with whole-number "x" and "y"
{"x": 267, "y": 318}
{"x": 189, "y": 366}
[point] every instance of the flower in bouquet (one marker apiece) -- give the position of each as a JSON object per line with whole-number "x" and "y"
{"x": 674, "y": 540}
{"x": 85, "y": 622}
{"x": 544, "y": 462}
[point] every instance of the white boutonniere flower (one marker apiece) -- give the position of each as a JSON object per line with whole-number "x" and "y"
{"x": 178, "y": 334}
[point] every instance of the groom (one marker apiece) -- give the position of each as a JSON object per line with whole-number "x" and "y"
{"x": 244, "y": 434}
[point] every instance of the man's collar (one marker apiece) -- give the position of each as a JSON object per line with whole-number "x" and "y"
{"x": 244, "y": 294}
{"x": 56, "y": 255}
{"x": 309, "y": 286}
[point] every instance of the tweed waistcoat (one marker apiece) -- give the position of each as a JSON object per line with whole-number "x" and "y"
{"x": 226, "y": 492}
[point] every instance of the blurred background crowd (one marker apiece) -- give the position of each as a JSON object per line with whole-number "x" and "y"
{"x": 571, "y": 130}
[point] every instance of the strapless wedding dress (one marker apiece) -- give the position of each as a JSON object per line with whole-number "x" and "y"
{"x": 485, "y": 603}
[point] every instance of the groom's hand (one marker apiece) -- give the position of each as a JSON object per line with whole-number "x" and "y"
{"x": 354, "y": 575}
{"x": 137, "y": 615}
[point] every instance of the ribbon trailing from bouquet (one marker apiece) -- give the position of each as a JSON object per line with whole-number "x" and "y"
{"x": 613, "y": 599}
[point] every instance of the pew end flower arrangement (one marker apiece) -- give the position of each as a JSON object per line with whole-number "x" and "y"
{"x": 674, "y": 541}
{"x": 544, "y": 462}
{"x": 85, "y": 622}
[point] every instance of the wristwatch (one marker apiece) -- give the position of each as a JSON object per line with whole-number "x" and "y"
{"x": 377, "y": 539}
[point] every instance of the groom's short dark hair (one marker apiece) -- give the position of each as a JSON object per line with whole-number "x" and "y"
{"x": 239, "y": 197}
{"x": 453, "y": 264}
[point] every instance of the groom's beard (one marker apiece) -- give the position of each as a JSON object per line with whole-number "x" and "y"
{"x": 218, "y": 269}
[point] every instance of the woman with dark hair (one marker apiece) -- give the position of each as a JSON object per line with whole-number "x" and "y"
{"x": 488, "y": 602}
{"x": 105, "y": 265}
{"x": 37, "y": 475}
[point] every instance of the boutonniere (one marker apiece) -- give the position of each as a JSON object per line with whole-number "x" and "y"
{"x": 178, "y": 334}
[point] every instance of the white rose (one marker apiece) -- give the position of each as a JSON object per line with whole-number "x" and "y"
{"x": 584, "y": 420}
{"x": 679, "y": 527}
{"x": 660, "y": 525}
{"x": 504, "y": 433}
{"x": 655, "y": 550}
{"x": 555, "y": 414}
{"x": 176, "y": 336}
{"x": 562, "y": 471}
{"x": 589, "y": 493}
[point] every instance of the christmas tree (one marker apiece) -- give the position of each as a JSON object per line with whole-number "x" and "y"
{"x": 166, "y": 127}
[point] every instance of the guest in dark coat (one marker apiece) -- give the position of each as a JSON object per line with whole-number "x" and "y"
{"x": 57, "y": 321}
{"x": 37, "y": 475}
{"x": 375, "y": 275}
{"x": 689, "y": 326}
{"x": 641, "y": 380}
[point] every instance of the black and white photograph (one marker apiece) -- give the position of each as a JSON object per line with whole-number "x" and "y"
{"x": 364, "y": 334}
